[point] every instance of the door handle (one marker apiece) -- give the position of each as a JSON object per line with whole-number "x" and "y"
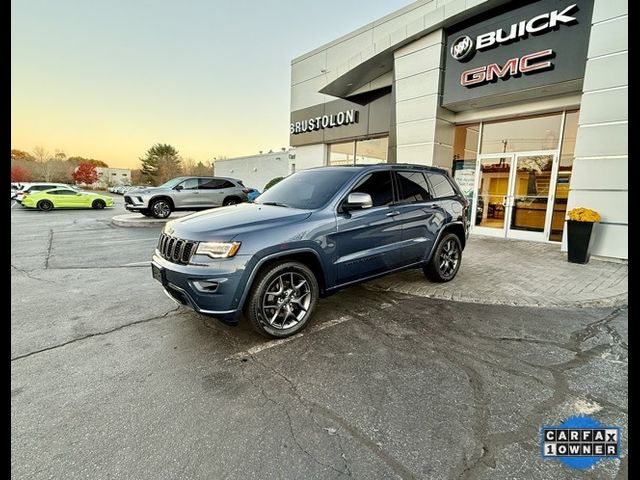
{"x": 393, "y": 214}
{"x": 195, "y": 191}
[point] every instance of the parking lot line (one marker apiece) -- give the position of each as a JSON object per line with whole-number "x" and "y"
{"x": 275, "y": 343}
{"x": 133, "y": 264}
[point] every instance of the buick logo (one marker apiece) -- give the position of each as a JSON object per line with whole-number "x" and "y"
{"x": 462, "y": 47}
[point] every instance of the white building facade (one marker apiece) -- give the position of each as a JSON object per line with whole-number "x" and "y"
{"x": 256, "y": 171}
{"x": 525, "y": 103}
{"x": 111, "y": 177}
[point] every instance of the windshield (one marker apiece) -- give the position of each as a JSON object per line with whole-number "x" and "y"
{"x": 307, "y": 189}
{"x": 172, "y": 183}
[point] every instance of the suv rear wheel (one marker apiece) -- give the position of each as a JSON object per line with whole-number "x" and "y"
{"x": 445, "y": 261}
{"x": 282, "y": 300}
{"x": 230, "y": 201}
{"x": 160, "y": 208}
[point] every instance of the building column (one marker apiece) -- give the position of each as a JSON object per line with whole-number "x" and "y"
{"x": 599, "y": 179}
{"x": 423, "y": 130}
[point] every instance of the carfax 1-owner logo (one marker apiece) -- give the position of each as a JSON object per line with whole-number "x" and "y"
{"x": 580, "y": 442}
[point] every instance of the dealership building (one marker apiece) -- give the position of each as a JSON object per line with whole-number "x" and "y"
{"x": 524, "y": 103}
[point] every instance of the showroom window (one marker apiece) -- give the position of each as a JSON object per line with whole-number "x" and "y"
{"x": 522, "y": 134}
{"x": 359, "y": 152}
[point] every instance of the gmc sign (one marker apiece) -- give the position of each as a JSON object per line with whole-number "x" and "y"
{"x": 518, "y": 46}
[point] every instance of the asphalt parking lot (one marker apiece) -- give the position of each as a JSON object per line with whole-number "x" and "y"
{"x": 109, "y": 379}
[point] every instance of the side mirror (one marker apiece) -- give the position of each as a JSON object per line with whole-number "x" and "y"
{"x": 178, "y": 187}
{"x": 357, "y": 201}
{"x": 78, "y": 194}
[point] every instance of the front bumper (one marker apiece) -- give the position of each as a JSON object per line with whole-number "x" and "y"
{"x": 186, "y": 285}
{"x": 135, "y": 204}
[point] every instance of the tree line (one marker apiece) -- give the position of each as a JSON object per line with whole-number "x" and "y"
{"x": 42, "y": 165}
{"x": 160, "y": 163}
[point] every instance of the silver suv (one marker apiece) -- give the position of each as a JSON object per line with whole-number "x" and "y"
{"x": 186, "y": 193}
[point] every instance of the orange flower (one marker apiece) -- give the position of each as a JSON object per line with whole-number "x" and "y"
{"x": 582, "y": 214}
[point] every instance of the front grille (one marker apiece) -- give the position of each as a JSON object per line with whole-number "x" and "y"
{"x": 127, "y": 199}
{"x": 176, "y": 250}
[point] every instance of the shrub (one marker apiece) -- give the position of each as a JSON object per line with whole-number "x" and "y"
{"x": 271, "y": 183}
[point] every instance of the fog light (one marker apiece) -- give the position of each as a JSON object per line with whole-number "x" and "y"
{"x": 206, "y": 286}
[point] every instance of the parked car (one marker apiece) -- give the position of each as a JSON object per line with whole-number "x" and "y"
{"x": 65, "y": 197}
{"x": 15, "y": 187}
{"x": 252, "y": 194}
{"x": 186, "y": 193}
{"x": 38, "y": 187}
{"x": 315, "y": 232}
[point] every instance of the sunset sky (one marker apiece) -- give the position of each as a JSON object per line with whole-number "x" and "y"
{"x": 107, "y": 80}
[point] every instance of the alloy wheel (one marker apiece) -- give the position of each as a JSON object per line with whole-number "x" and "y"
{"x": 449, "y": 258}
{"x": 161, "y": 209}
{"x": 286, "y": 300}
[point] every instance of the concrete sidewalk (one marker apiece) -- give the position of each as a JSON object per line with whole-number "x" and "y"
{"x": 513, "y": 272}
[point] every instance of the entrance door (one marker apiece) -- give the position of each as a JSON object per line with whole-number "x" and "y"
{"x": 512, "y": 195}
{"x": 493, "y": 178}
{"x": 530, "y": 205}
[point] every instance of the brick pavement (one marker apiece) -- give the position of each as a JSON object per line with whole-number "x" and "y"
{"x": 514, "y": 272}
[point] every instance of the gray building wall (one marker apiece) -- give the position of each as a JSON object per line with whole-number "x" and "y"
{"x": 255, "y": 171}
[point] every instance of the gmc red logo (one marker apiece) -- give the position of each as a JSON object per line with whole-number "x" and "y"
{"x": 525, "y": 64}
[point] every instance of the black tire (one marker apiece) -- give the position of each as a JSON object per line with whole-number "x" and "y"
{"x": 160, "y": 208}
{"x": 295, "y": 293}
{"x": 230, "y": 201}
{"x": 445, "y": 261}
{"x": 98, "y": 204}
{"x": 45, "y": 206}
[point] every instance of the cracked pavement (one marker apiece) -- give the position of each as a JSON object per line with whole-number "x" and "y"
{"x": 110, "y": 380}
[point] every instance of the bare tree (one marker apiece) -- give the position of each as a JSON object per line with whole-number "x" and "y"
{"x": 42, "y": 156}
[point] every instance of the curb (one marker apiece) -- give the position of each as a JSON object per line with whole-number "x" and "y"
{"x": 138, "y": 220}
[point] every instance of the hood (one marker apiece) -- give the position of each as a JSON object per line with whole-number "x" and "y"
{"x": 225, "y": 223}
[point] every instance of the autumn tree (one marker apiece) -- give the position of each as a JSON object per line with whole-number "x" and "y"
{"x": 85, "y": 173}
{"x": 20, "y": 174}
{"x": 161, "y": 163}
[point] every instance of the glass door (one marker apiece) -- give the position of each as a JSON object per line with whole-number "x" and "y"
{"x": 529, "y": 201}
{"x": 512, "y": 194}
{"x": 493, "y": 179}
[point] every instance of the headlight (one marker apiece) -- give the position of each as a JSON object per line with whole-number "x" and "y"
{"x": 218, "y": 249}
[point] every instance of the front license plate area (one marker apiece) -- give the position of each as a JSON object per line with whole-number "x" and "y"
{"x": 159, "y": 274}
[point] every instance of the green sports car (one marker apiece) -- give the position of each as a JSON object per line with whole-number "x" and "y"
{"x": 65, "y": 198}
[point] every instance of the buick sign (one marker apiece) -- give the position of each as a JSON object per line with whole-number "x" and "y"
{"x": 462, "y": 47}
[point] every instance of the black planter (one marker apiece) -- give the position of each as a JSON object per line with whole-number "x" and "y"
{"x": 579, "y": 240}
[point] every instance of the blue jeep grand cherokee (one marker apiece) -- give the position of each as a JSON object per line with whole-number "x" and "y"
{"x": 315, "y": 232}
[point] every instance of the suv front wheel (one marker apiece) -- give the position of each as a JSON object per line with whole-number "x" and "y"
{"x": 282, "y": 300}
{"x": 160, "y": 208}
{"x": 445, "y": 261}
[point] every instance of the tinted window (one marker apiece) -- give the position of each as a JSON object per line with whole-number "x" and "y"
{"x": 441, "y": 185}
{"x": 62, "y": 192}
{"x": 227, "y": 184}
{"x": 413, "y": 187}
{"x": 378, "y": 185}
{"x": 190, "y": 184}
{"x": 308, "y": 189}
{"x": 41, "y": 187}
{"x": 210, "y": 183}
